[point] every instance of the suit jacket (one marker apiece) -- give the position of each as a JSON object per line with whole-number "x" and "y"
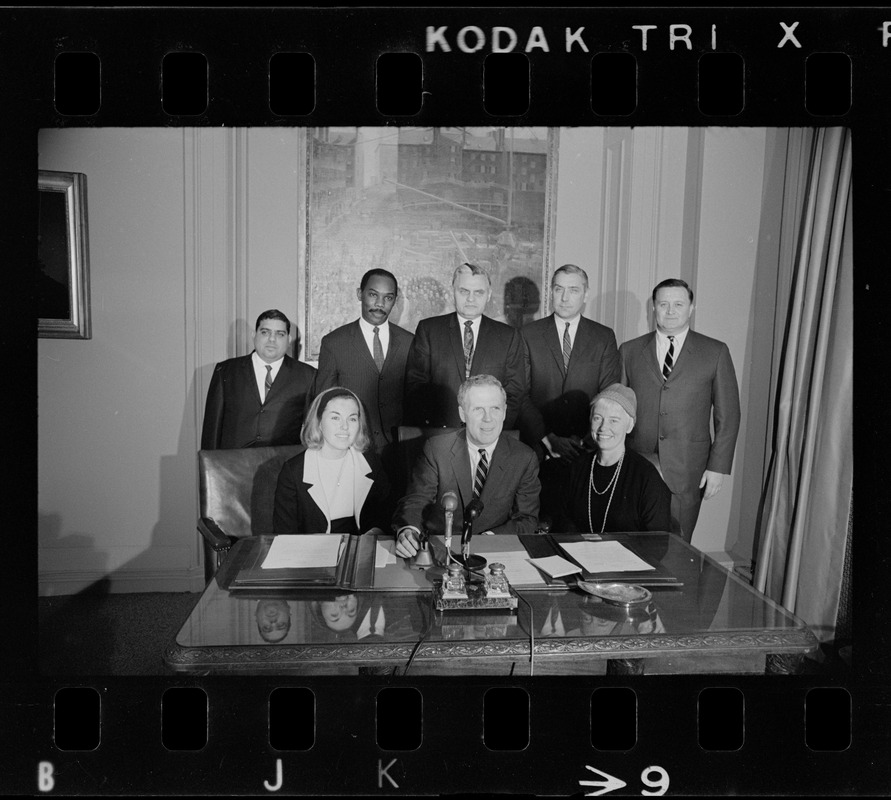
{"x": 558, "y": 399}
{"x": 345, "y": 360}
{"x": 235, "y": 416}
{"x": 300, "y": 504}
{"x": 435, "y": 369}
{"x": 510, "y": 494}
{"x": 673, "y": 416}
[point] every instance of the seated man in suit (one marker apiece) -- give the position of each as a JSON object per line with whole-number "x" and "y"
{"x": 478, "y": 461}
{"x": 258, "y": 400}
{"x": 450, "y": 348}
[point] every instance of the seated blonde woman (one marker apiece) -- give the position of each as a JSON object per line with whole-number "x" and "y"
{"x": 614, "y": 489}
{"x": 336, "y": 485}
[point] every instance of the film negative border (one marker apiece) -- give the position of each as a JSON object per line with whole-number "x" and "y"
{"x": 345, "y": 757}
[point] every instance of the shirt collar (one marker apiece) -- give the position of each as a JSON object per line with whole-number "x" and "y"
{"x": 259, "y": 362}
{"x": 366, "y": 326}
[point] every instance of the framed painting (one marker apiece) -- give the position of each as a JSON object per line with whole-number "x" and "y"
{"x": 63, "y": 264}
{"x": 419, "y": 202}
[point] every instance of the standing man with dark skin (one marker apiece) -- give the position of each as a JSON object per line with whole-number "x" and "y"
{"x": 368, "y": 357}
{"x": 685, "y": 383}
{"x": 258, "y": 400}
{"x": 453, "y": 347}
{"x": 569, "y": 359}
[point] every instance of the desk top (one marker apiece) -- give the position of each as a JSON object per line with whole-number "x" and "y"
{"x": 712, "y": 612}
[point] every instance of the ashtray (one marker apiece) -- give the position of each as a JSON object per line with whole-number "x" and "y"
{"x": 617, "y": 594}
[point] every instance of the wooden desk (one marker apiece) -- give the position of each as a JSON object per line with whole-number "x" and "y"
{"x": 715, "y": 622}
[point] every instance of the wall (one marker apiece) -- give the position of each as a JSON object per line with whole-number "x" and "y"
{"x": 193, "y": 232}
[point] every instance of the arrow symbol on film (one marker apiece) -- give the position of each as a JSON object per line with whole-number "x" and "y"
{"x": 609, "y": 785}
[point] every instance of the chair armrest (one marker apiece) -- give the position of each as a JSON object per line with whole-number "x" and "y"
{"x": 213, "y": 534}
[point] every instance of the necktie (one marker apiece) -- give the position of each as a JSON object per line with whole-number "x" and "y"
{"x": 268, "y": 382}
{"x": 482, "y": 469}
{"x": 669, "y": 359}
{"x": 468, "y": 347}
{"x": 378, "y": 350}
{"x": 567, "y": 348}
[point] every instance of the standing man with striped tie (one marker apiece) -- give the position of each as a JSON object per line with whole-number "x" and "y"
{"x": 479, "y": 461}
{"x": 450, "y": 348}
{"x": 685, "y": 383}
{"x": 258, "y": 400}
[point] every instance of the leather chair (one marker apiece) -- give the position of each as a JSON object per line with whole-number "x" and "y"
{"x": 236, "y": 496}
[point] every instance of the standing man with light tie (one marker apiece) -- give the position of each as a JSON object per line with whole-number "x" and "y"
{"x": 569, "y": 359}
{"x": 684, "y": 383}
{"x": 453, "y": 347}
{"x": 368, "y": 357}
{"x": 258, "y": 400}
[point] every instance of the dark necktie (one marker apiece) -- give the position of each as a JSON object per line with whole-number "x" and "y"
{"x": 567, "y": 348}
{"x": 468, "y": 347}
{"x": 268, "y": 382}
{"x": 482, "y": 469}
{"x": 669, "y": 359}
{"x": 378, "y": 350}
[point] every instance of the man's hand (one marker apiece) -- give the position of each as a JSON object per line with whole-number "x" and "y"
{"x": 567, "y": 447}
{"x": 712, "y": 481}
{"x": 406, "y": 542}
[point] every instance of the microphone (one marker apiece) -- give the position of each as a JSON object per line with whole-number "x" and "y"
{"x": 471, "y": 512}
{"x": 449, "y": 503}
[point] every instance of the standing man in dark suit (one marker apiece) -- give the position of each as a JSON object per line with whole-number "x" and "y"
{"x": 451, "y": 348}
{"x": 684, "y": 382}
{"x": 569, "y": 360}
{"x": 368, "y": 357}
{"x": 258, "y": 400}
{"x": 476, "y": 462}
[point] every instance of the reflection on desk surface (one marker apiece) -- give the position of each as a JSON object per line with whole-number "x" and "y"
{"x": 711, "y": 599}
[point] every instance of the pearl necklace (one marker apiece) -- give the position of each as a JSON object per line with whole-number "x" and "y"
{"x": 614, "y": 481}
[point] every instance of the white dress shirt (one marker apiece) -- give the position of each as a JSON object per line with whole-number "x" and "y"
{"x": 573, "y": 328}
{"x": 662, "y": 345}
{"x": 368, "y": 332}
{"x": 260, "y": 373}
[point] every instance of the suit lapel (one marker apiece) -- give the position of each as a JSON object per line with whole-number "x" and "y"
{"x": 313, "y": 483}
{"x": 496, "y": 469}
{"x": 460, "y": 462}
{"x": 651, "y": 357}
{"x": 456, "y": 335}
{"x": 250, "y": 378}
{"x": 362, "y": 483}
{"x": 687, "y": 354}
{"x": 555, "y": 345}
{"x": 361, "y": 347}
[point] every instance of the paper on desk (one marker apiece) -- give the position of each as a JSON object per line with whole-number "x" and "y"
{"x": 555, "y": 566}
{"x": 517, "y": 568}
{"x": 605, "y": 557}
{"x": 385, "y": 553}
{"x": 299, "y": 550}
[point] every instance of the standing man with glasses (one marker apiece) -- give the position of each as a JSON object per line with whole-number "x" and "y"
{"x": 449, "y": 349}
{"x": 258, "y": 400}
{"x": 685, "y": 383}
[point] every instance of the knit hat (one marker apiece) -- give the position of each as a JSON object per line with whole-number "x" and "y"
{"x": 622, "y": 395}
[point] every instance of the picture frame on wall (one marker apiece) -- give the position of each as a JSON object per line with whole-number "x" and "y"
{"x": 419, "y": 202}
{"x": 63, "y": 261}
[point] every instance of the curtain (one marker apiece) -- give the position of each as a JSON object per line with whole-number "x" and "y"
{"x": 808, "y": 489}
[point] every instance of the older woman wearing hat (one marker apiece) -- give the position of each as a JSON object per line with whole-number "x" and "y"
{"x": 613, "y": 488}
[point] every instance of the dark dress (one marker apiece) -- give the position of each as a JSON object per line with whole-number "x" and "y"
{"x": 641, "y": 500}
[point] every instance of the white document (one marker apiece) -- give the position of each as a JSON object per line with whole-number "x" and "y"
{"x": 298, "y": 550}
{"x": 555, "y": 566}
{"x": 384, "y": 553}
{"x": 605, "y": 557}
{"x": 517, "y": 567}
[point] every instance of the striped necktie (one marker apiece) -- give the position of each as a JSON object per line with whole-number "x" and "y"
{"x": 482, "y": 470}
{"x": 468, "y": 347}
{"x": 268, "y": 382}
{"x": 669, "y": 359}
{"x": 567, "y": 348}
